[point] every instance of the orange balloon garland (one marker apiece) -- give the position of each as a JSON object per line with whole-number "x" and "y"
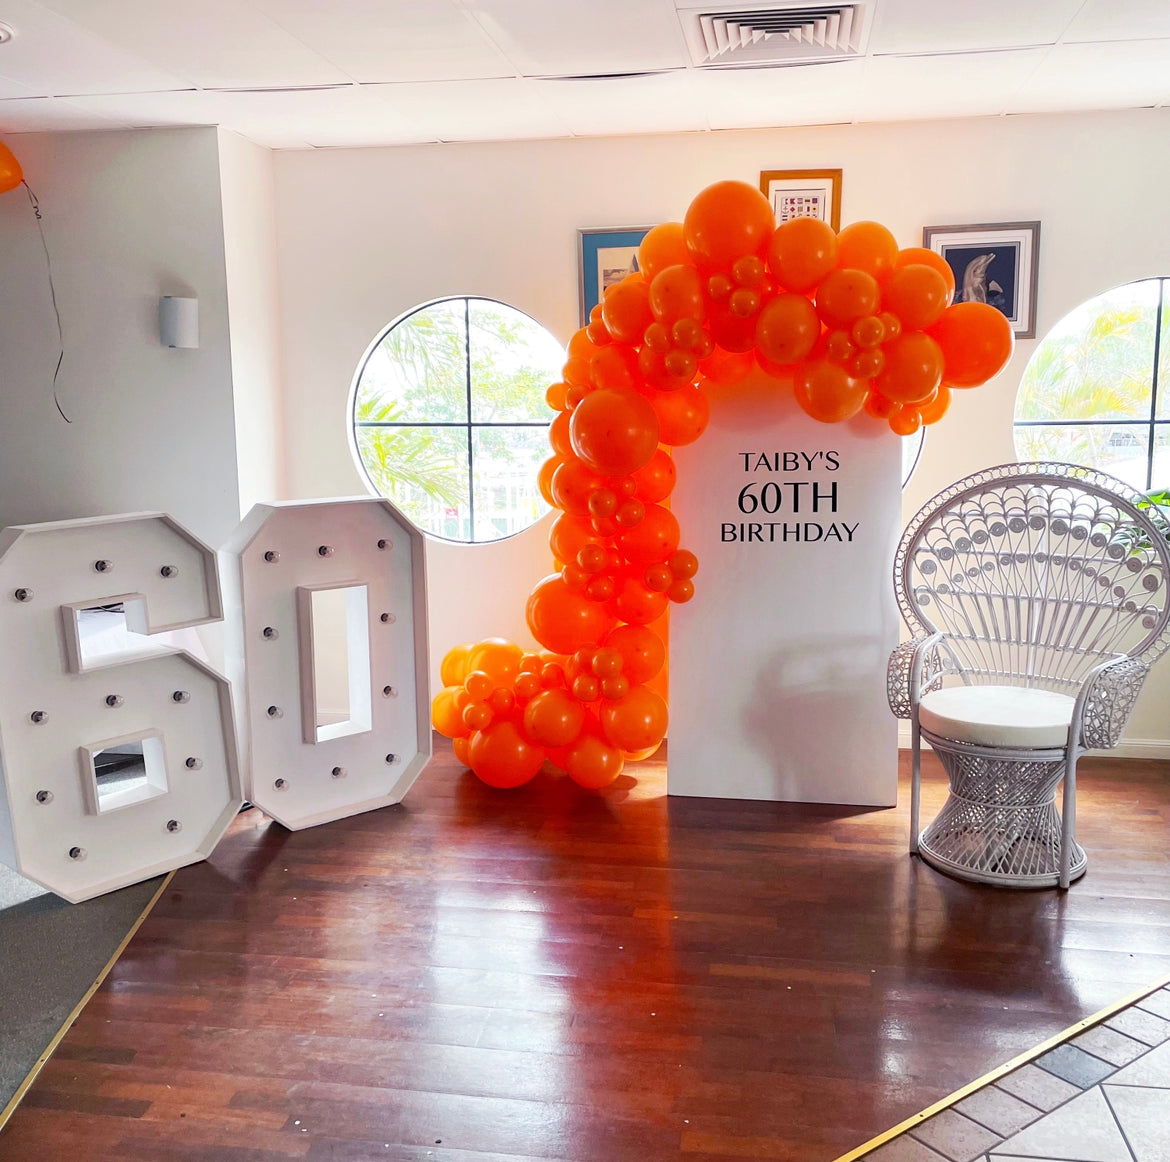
{"x": 848, "y": 322}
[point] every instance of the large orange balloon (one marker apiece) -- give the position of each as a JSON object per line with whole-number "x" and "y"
{"x": 920, "y": 256}
{"x": 802, "y": 252}
{"x": 625, "y": 310}
{"x": 787, "y": 328}
{"x": 677, "y": 293}
{"x": 652, "y": 539}
{"x": 636, "y": 721}
{"x": 497, "y": 658}
{"x": 683, "y": 415}
{"x": 913, "y": 370}
{"x": 573, "y": 483}
{"x": 569, "y": 535}
{"x": 558, "y": 435}
{"x": 11, "y": 175}
{"x": 593, "y": 763}
{"x": 634, "y": 603}
{"x": 544, "y": 478}
{"x": 917, "y": 294}
{"x": 827, "y": 392}
{"x": 845, "y": 296}
{"x": 643, "y": 651}
{"x": 454, "y": 667}
{"x": 655, "y": 479}
{"x": 502, "y": 757}
{"x": 562, "y": 619}
{"x": 553, "y": 718}
{"x": 663, "y": 246}
{"x": 867, "y": 246}
{"x": 446, "y": 715}
{"x": 614, "y": 432}
{"x": 726, "y": 221}
{"x": 976, "y": 342}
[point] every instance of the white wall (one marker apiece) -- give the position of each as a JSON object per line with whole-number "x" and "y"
{"x": 128, "y": 216}
{"x": 249, "y": 230}
{"x": 365, "y": 234}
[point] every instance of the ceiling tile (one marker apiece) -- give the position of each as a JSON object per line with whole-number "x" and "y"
{"x": 661, "y": 103}
{"x": 211, "y": 44}
{"x": 761, "y": 98}
{"x": 1120, "y": 75}
{"x": 52, "y": 57}
{"x": 393, "y": 40}
{"x": 916, "y": 26}
{"x": 1120, "y": 20}
{"x": 954, "y": 85}
{"x": 51, "y": 114}
{"x": 574, "y": 39}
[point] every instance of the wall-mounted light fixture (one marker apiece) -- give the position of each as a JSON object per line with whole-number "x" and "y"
{"x": 178, "y": 321}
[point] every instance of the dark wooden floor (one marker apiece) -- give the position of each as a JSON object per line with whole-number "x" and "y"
{"x": 477, "y": 976}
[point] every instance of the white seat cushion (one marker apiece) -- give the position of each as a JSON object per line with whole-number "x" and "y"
{"x": 998, "y": 715}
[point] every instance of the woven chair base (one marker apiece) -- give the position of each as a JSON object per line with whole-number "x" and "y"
{"x": 1000, "y": 824}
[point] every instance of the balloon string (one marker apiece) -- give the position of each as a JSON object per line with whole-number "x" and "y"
{"x": 36, "y": 209}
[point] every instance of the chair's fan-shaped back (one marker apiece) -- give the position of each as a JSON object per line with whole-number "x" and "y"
{"x": 1037, "y": 572}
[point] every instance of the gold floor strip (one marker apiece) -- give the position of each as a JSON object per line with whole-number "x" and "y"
{"x": 1003, "y": 1070}
{"x": 25, "y": 1085}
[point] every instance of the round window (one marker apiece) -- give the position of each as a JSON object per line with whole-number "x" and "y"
{"x": 449, "y": 417}
{"x": 1097, "y": 388}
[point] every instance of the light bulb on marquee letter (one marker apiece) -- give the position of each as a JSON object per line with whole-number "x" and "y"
{"x": 118, "y": 756}
{"x": 328, "y": 654}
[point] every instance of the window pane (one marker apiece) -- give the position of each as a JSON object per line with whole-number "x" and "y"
{"x": 513, "y": 360}
{"x": 1164, "y": 355}
{"x": 507, "y": 499}
{"x": 1119, "y": 449}
{"x": 1097, "y": 362}
{"x": 424, "y": 472}
{"x": 1161, "y": 457}
{"x": 419, "y": 370}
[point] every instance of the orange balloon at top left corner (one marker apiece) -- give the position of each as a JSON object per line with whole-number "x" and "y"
{"x": 11, "y": 175}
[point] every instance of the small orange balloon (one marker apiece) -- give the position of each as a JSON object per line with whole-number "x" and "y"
{"x": 652, "y": 539}
{"x": 920, "y": 256}
{"x": 643, "y": 651}
{"x": 462, "y": 748}
{"x": 827, "y": 392}
{"x": 572, "y": 485}
{"x": 634, "y": 604}
{"x": 663, "y": 246}
{"x": 867, "y": 246}
{"x": 558, "y": 435}
{"x": 905, "y": 420}
{"x": 917, "y": 294}
{"x": 846, "y": 296}
{"x": 976, "y": 342}
{"x": 787, "y": 328}
{"x": 569, "y": 535}
{"x": 544, "y": 478}
{"x": 802, "y": 252}
{"x": 626, "y": 310}
{"x": 502, "y": 757}
{"x": 726, "y": 221}
{"x": 914, "y": 368}
{"x": 656, "y": 478}
{"x": 11, "y": 174}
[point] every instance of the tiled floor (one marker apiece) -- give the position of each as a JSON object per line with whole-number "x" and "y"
{"x": 1104, "y": 1096}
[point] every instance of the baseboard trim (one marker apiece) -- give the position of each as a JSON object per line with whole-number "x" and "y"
{"x": 1130, "y": 748}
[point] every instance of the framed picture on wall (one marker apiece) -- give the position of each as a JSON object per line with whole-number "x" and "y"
{"x": 605, "y": 257}
{"x": 996, "y": 263}
{"x": 803, "y": 193}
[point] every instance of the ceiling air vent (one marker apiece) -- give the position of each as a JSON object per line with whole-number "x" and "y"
{"x": 776, "y": 35}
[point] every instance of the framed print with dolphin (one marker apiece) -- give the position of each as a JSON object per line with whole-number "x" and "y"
{"x": 996, "y": 263}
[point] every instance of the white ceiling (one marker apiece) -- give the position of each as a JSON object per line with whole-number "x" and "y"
{"x": 295, "y": 74}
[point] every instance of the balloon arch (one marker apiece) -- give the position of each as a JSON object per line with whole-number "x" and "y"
{"x": 848, "y": 322}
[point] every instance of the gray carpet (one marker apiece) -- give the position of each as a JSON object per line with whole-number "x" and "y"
{"x": 50, "y": 954}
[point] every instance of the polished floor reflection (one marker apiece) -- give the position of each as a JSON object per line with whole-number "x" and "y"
{"x": 477, "y": 976}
